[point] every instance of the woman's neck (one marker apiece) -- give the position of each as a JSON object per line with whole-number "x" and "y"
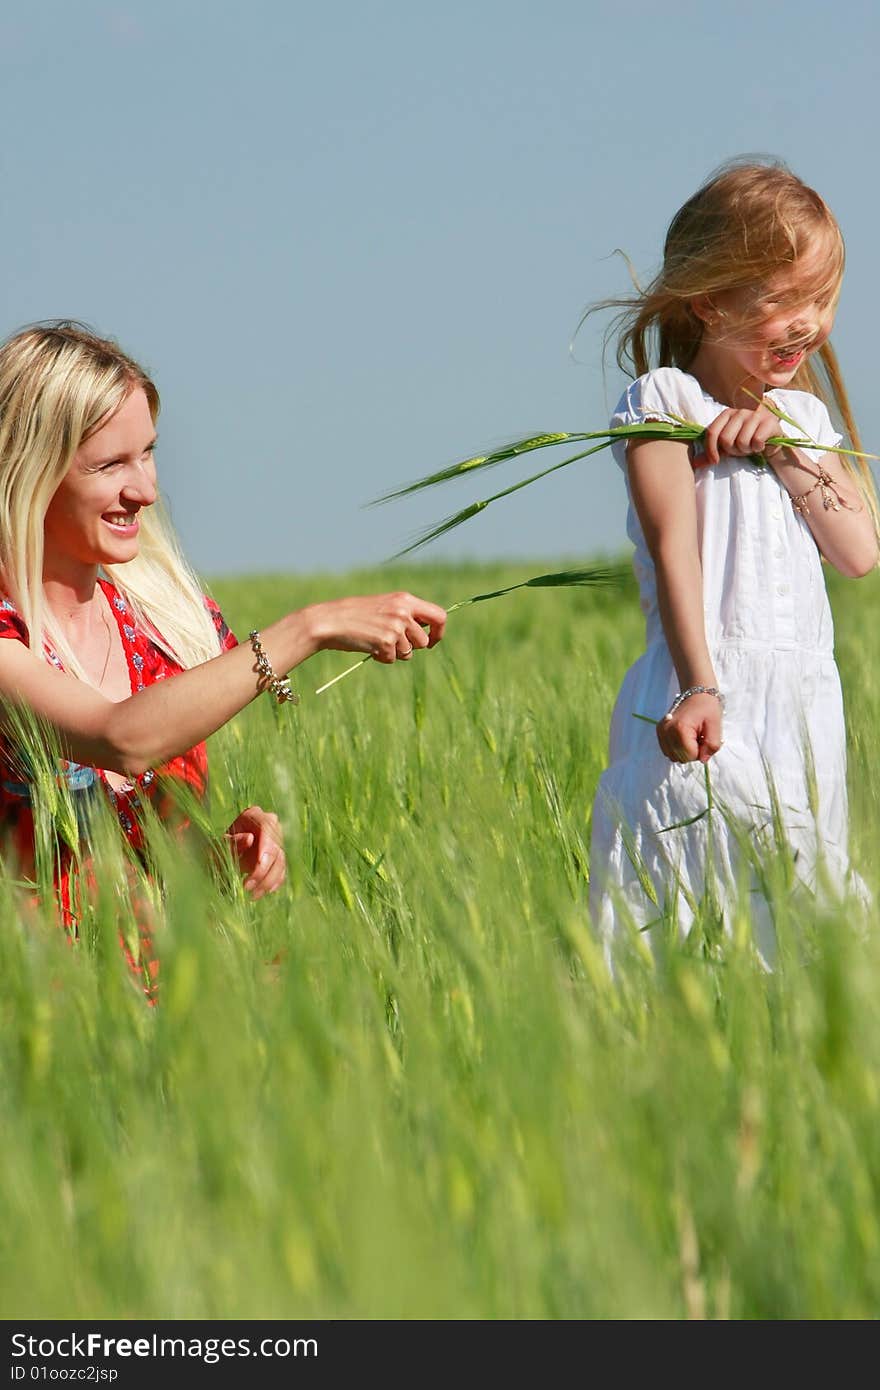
{"x": 721, "y": 377}
{"x": 70, "y": 593}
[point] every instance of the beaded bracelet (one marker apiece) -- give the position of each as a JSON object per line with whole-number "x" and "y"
{"x": 693, "y": 690}
{"x": 266, "y": 677}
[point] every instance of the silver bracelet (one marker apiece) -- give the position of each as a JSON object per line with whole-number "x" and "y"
{"x": 266, "y": 677}
{"x": 693, "y": 690}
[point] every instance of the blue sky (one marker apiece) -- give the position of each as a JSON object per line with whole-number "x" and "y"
{"x": 352, "y": 241}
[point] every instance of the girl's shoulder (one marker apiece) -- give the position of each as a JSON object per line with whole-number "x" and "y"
{"x": 807, "y": 416}
{"x": 667, "y": 394}
{"x": 664, "y": 393}
{"x": 802, "y": 406}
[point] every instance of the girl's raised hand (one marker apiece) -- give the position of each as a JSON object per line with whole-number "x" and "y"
{"x": 738, "y": 433}
{"x": 693, "y": 732}
{"x": 387, "y": 627}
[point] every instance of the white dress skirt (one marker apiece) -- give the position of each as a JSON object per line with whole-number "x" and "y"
{"x": 771, "y": 638}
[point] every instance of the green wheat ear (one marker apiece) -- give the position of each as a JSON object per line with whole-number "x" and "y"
{"x": 673, "y": 428}
{"x": 478, "y": 463}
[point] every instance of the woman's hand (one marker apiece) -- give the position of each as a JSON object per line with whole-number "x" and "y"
{"x": 256, "y": 842}
{"x": 693, "y": 732}
{"x": 387, "y": 627}
{"x": 739, "y": 433}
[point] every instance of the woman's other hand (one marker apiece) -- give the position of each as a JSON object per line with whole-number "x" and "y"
{"x": 388, "y": 627}
{"x": 255, "y": 839}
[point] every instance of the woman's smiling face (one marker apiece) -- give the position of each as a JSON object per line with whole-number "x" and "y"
{"x": 93, "y": 516}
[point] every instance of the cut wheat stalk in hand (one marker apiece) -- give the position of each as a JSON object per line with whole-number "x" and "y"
{"x": 674, "y": 429}
{"x": 565, "y": 579}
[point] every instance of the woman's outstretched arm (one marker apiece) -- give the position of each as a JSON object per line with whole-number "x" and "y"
{"x": 171, "y": 716}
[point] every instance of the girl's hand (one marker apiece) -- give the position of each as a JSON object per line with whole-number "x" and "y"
{"x": 739, "y": 433}
{"x": 693, "y": 732}
{"x": 256, "y": 842}
{"x": 387, "y": 627}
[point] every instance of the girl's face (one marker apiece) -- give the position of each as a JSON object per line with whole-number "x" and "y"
{"x": 770, "y": 329}
{"x": 93, "y": 516}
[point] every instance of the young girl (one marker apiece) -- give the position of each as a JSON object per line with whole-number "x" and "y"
{"x": 739, "y": 667}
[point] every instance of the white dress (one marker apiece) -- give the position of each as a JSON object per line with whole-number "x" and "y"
{"x": 770, "y": 635}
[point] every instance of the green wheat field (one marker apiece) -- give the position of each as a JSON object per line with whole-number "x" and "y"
{"x": 406, "y": 1086}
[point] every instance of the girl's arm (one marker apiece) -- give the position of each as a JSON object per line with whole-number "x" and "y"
{"x": 167, "y": 718}
{"x": 662, "y": 488}
{"x": 846, "y": 537}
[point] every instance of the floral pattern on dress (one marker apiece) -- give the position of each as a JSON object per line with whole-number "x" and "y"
{"x": 147, "y": 663}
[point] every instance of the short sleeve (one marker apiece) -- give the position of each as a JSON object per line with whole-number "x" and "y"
{"x": 810, "y": 416}
{"x": 11, "y": 623}
{"x": 665, "y": 394}
{"x": 226, "y": 637}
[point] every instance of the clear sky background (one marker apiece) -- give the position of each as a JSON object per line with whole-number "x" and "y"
{"x": 351, "y": 241}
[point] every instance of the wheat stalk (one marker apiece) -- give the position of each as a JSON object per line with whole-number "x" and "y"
{"x": 675, "y": 429}
{"x": 564, "y": 579}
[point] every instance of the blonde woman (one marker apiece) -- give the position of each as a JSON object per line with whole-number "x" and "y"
{"x": 100, "y": 609}
{"x": 739, "y": 660}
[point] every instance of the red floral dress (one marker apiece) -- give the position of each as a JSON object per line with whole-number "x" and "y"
{"x": 147, "y": 663}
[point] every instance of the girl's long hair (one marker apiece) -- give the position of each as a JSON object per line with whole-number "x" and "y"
{"x": 749, "y": 220}
{"x": 58, "y": 384}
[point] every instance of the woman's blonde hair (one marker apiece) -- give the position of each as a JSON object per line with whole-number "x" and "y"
{"x": 58, "y": 384}
{"x": 748, "y": 221}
